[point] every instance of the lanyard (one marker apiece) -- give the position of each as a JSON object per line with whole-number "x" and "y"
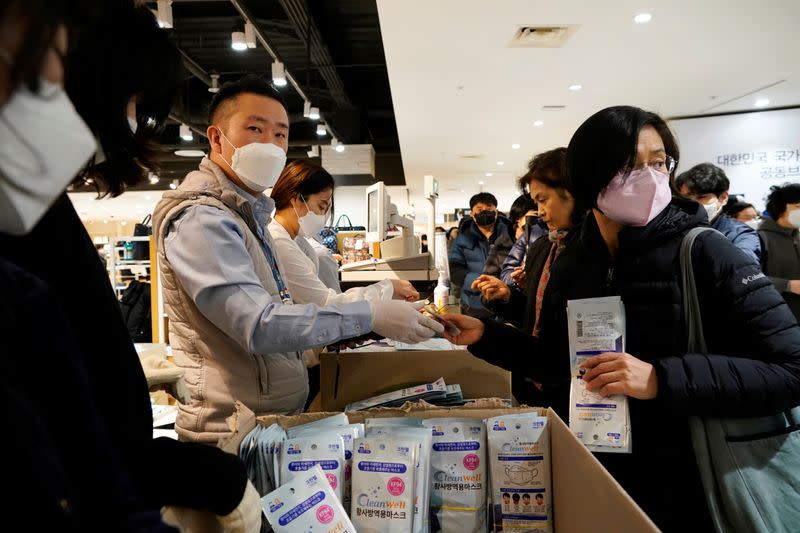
{"x": 276, "y": 273}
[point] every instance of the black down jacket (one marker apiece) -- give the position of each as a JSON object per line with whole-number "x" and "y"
{"x": 753, "y": 366}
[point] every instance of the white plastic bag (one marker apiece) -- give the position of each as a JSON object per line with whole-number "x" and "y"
{"x": 458, "y": 472}
{"x": 306, "y": 503}
{"x": 519, "y": 462}
{"x": 326, "y": 450}
{"x": 383, "y": 485}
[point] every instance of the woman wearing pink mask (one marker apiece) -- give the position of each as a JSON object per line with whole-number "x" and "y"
{"x": 619, "y": 164}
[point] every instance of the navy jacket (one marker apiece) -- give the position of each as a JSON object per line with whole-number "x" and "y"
{"x": 741, "y": 235}
{"x": 752, "y": 368}
{"x": 468, "y": 257}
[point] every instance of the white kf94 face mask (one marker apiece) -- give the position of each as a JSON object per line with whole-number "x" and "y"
{"x": 258, "y": 165}
{"x": 311, "y": 223}
{"x": 43, "y": 145}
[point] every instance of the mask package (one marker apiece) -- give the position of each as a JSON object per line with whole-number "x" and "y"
{"x": 519, "y": 455}
{"x": 383, "y": 485}
{"x": 436, "y": 391}
{"x": 422, "y": 436}
{"x": 458, "y": 472}
{"x": 596, "y": 326}
{"x": 307, "y": 503}
{"x": 325, "y": 449}
{"x": 260, "y": 450}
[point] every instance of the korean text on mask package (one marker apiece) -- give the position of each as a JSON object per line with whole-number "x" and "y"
{"x": 349, "y": 434}
{"x": 325, "y": 450}
{"x": 306, "y": 503}
{"x": 519, "y": 461}
{"x": 383, "y": 485}
{"x": 422, "y": 486}
{"x": 458, "y": 475}
{"x": 596, "y": 326}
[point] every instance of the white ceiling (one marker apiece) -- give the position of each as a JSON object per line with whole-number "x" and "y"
{"x": 131, "y": 206}
{"x": 460, "y": 90}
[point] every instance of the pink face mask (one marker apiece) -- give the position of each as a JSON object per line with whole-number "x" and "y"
{"x": 635, "y": 199}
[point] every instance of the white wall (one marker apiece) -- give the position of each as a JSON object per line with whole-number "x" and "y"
{"x": 756, "y": 150}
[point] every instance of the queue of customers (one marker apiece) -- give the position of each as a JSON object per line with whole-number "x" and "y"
{"x": 250, "y": 304}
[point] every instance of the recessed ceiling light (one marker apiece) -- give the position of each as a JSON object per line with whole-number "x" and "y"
{"x": 489, "y": 174}
{"x": 501, "y": 163}
{"x": 575, "y": 87}
{"x": 124, "y": 222}
{"x": 515, "y": 146}
{"x": 148, "y": 197}
{"x": 480, "y": 183}
{"x": 190, "y": 153}
{"x": 539, "y": 123}
{"x": 762, "y": 102}
{"x": 643, "y": 18}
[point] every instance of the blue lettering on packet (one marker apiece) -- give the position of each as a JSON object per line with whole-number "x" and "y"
{"x": 297, "y": 511}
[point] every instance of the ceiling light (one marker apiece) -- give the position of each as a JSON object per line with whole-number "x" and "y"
{"x": 762, "y": 102}
{"x": 278, "y": 74}
{"x": 480, "y": 183}
{"x": 190, "y": 153}
{"x": 148, "y": 197}
{"x": 105, "y": 221}
{"x": 575, "y": 87}
{"x": 124, "y": 222}
{"x": 249, "y": 34}
{"x": 339, "y": 147}
{"x": 186, "y": 133}
{"x": 214, "y": 84}
{"x": 515, "y": 146}
{"x": 538, "y": 123}
{"x": 643, "y": 18}
{"x": 314, "y": 152}
{"x": 321, "y": 131}
{"x": 306, "y": 108}
{"x": 153, "y": 178}
{"x": 314, "y": 113}
{"x": 334, "y": 142}
{"x": 237, "y": 41}
{"x": 501, "y": 163}
{"x": 489, "y": 174}
{"x": 173, "y": 185}
{"x": 164, "y": 14}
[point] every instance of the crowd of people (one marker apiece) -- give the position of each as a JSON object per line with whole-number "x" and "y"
{"x": 252, "y": 297}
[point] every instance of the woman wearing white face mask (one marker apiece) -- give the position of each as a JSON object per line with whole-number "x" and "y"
{"x": 618, "y": 165}
{"x": 303, "y": 197}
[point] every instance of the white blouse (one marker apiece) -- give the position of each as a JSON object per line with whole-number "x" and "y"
{"x": 301, "y": 271}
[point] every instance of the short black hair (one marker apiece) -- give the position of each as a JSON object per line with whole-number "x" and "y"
{"x": 250, "y": 83}
{"x": 704, "y": 178}
{"x": 546, "y": 168}
{"x": 515, "y": 497}
{"x": 540, "y": 495}
{"x": 604, "y": 145}
{"x": 732, "y": 209}
{"x": 483, "y": 198}
{"x": 506, "y": 494}
{"x": 520, "y": 207}
{"x": 779, "y": 196}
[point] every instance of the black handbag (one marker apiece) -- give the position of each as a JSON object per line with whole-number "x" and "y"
{"x": 141, "y": 249}
{"x": 329, "y": 234}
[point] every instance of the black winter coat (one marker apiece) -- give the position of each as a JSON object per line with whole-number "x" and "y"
{"x": 753, "y": 365}
{"x": 163, "y": 471}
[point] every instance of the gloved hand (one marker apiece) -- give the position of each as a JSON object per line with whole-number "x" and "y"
{"x": 403, "y": 322}
{"x": 246, "y": 518}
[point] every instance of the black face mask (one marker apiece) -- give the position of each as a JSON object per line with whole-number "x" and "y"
{"x": 485, "y": 218}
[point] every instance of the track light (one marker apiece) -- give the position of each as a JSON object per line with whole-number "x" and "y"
{"x": 334, "y": 142}
{"x": 306, "y": 108}
{"x": 214, "y": 84}
{"x": 237, "y": 41}
{"x": 164, "y": 13}
{"x": 249, "y": 34}
{"x": 278, "y": 74}
{"x": 339, "y": 147}
{"x": 314, "y": 113}
{"x": 314, "y": 152}
{"x": 173, "y": 185}
{"x": 321, "y": 131}
{"x": 186, "y": 133}
{"x": 153, "y": 178}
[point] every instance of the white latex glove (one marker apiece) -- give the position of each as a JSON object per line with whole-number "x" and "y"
{"x": 403, "y": 322}
{"x": 246, "y": 518}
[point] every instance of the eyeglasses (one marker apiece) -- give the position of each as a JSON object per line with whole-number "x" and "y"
{"x": 667, "y": 165}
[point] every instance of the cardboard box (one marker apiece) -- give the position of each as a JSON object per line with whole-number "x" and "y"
{"x": 585, "y": 496}
{"x": 352, "y": 376}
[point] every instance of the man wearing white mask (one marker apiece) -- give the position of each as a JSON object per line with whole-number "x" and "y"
{"x": 233, "y": 325}
{"x": 708, "y": 185}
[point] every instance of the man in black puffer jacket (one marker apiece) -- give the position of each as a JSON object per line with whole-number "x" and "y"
{"x": 753, "y": 363}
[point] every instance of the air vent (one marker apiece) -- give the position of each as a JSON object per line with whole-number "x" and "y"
{"x": 550, "y": 108}
{"x": 472, "y": 156}
{"x": 542, "y": 36}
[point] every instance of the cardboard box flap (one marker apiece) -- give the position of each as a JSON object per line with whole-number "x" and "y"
{"x": 241, "y": 422}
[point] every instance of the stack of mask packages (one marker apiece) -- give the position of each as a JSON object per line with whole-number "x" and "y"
{"x": 597, "y": 326}
{"x": 404, "y": 475}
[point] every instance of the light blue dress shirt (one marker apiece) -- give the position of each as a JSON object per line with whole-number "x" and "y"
{"x": 206, "y": 249}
